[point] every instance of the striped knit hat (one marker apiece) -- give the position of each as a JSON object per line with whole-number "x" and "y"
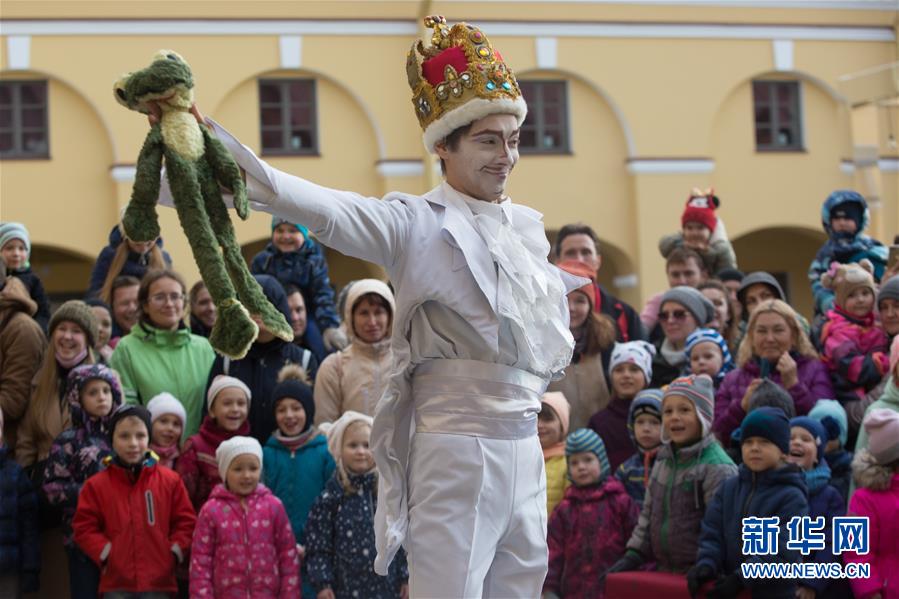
{"x": 585, "y": 439}
{"x": 700, "y": 390}
{"x": 702, "y": 335}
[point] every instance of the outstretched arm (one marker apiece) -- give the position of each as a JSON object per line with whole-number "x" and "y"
{"x": 141, "y": 223}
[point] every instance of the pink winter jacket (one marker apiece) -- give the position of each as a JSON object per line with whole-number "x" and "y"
{"x": 856, "y": 352}
{"x": 242, "y": 552}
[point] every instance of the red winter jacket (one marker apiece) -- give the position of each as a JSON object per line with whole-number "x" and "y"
{"x": 135, "y": 530}
{"x": 587, "y": 533}
{"x": 197, "y": 464}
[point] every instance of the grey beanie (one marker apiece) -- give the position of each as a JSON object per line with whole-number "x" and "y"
{"x": 754, "y": 278}
{"x": 770, "y": 394}
{"x": 889, "y": 290}
{"x": 695, "y": 302}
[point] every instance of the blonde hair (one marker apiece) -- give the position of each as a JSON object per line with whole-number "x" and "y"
{"x": 801, "y": 341}
{"x": 342, "y": 474}
{"x": 155, "y": 262}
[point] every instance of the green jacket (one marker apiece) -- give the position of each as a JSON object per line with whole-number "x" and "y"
{"x": 683, "y": 482}
{"x": 151, "y": 360}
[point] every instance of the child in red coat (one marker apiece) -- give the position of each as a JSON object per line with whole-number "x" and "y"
{"x": 134, "y": 519}
{"x": 589, "y": 529}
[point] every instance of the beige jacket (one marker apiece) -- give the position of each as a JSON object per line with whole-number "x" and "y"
{"x": 585, "y": 388}
{"x": 22, "y": 345}
{"x": 356, "y": 377}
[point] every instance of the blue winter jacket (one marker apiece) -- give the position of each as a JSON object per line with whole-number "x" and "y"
{"x": 135, "y": 266}
{"x": 824, "y": 500}
{"x": 20, "y": 544}
{"x": 777, "y": 492}
{"x": 843, "y": 248}
{"x": 307, "y": 269}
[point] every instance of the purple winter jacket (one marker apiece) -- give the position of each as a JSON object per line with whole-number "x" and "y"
{"x": 814, "y": 384}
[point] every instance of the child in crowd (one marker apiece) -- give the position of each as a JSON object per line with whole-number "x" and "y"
{"x": 228, "y": 404}
{"x": 876, "y": 473}
{"x": 552, "y": 428}
{"x": 703, "y": 232}
{"x": 340, "y": 534}
{"x": 833, "y": 418}
{"x": 93, "y": 392}
{"x": 295, "y": 259}
{"x": 134, "y": 519}
{"x": 124, "y": 257}
{"x": 297, "y": 461}
{"x": 243, "y": 545}
{"x": 103, "y": 316}
{"x": 766, "y": 394}
{"x": 890, "y": 398}
{"x": 855, "y": 349}
{"x": 167, "y": 418}
{"x": 845, "y": 217}
{"x": 766, "y": 486}
{"x": 587, "y": 533}
{"x": 630, "y": 371}
{"x": 20, "y": 543}
{"x": 807, "y": 440}
{"x": 644, "y": 425}
{"x": 707, "y": 353}
{"x": 690, "y": 467}
{"x": 15, "y": 247}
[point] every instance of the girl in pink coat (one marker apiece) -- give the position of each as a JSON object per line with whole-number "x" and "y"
{"x": 876, "y": 472}
{"x": 243, "y": 545}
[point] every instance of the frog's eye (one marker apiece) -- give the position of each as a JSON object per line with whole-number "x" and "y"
{"x": 172, "y": 57}
{"x": 121, "y": 94}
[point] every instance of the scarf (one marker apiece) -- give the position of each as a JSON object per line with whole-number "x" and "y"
{"x": 69, "y": 364}
{"x": 167, "y": 455}
{"x": 674, "y": 357}
{"x": 292, "y": 443}
{"x": 649, "y": 457}
{"x": 817, "y": 477}
{"x": 554, "y": 451}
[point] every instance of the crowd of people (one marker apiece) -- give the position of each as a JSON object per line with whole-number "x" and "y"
{"x": 151, "y": 466}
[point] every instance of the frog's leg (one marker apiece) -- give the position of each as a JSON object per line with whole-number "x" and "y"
{"x": 140, "y": 221}
{"x": 234, "y": 330}
{"x": 248, "y": 290}
{"x": 226, "y": 172}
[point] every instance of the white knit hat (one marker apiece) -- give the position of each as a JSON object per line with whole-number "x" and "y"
{"x": 166, "y": 403}
{"x": 233, "y": 447}
{"x": 335, "y": 430}
{"x": 222, "y": 382}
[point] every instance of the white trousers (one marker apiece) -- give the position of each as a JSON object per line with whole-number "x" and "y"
{"x": 477, "y": 517}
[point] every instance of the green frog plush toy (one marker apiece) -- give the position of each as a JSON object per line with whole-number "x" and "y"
{"x": 197, "y": 164}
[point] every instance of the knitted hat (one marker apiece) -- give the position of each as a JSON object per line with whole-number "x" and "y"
{"x": 889, "y": 290}
{"x": 559, "y": 404}
{"x": 80, "y": 376}
{"x": 639, "y": 353}
{"x": 767, "y": 423}
{"x": 458, "y": 79}
{"x": 696, "y": 303}
{"x": 126, "y": 411}
{"x": 702, "y": 335}
{"x": 10, "y": 231}
{"x": 894, "y": 353}
{"x": 336, "y": 430}
{"x": 292, "y": 385}
{"x": 755, "y": 278}
{"x": 700, "y": 390}
{"x": 729, "y": 274}
{"x": 843, "y": 279}
{"x": 700, "y": 209}
{"x": 579, "y": 269}
{"x": 817, "y": 430}
{"x": 277, "y": 220}
{"x": 882, "y": 426}
{"x": 585, "y": 439}
{"x": 770, "y": 394}
{"x": 647, "y": 402}
{"x": 78, "y": 312}
{"x": 236, "y": 446}
{"x": 166, "y": 403}
{"x": 222, "y": 382}
{"x": 832, "y": 416}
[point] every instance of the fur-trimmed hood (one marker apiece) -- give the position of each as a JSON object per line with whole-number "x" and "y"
{"x": 867, "y": 473}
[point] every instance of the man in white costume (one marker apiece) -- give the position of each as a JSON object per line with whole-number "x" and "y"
{"x": 481, "y": 328}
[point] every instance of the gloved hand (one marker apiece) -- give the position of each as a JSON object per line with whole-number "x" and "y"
{"x": 335, "y": 339}
{"x": 631, "y": 561}
{"x": 726, "y": 587}
{"x": 697, "y": 576}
